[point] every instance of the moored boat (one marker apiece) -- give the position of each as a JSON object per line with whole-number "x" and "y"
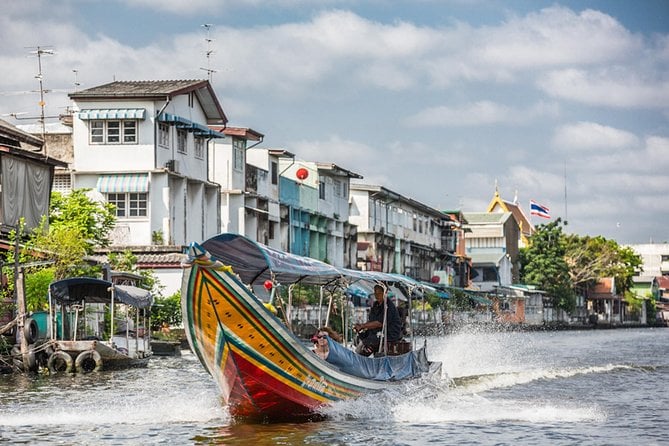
{"x": 262, "y": 369}
{"x": 94, "y": 325}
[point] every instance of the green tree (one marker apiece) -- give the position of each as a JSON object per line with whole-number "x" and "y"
{"x": 543, "y": 265}
{"x": 166, "y": 310}
{"x": 591, "y": 258}
{"x": 75, "y": 227}
{"x": 93, "y": 220}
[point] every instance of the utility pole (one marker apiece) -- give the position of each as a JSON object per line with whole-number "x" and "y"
{"x": 39, "y": 51}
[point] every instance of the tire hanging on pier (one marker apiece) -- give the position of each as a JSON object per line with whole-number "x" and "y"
{"x": 88, "y": 361}
{"x": 60, "y": 362}
{"x": 30, "y": 330}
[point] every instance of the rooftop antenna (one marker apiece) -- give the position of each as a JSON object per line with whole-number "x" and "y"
{"x": 40, "y": 51}
{"x": 76, "y": 82}
{"x": 209, "y": 52}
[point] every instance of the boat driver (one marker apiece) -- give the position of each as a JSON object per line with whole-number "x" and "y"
{"x": 369, "y": 333}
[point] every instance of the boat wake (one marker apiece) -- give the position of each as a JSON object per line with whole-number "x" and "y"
{"x": 427, "y": 402}
{"x": 128, "y": 409}
{"x": 490, "y": 381}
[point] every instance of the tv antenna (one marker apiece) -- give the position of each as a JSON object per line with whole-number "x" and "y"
{"x": 209, "y": 51}
{"x": 40, "y": 51}
{"x": 76, "y": 82}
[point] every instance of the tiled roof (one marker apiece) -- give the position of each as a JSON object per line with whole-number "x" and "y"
{"x": 663, "y": 282}
{"x": 140, "y": 88}
{"x": 157, "y": 90}
{"x": 520, "y": 217}
{"x": 474, "y": 218}
{"x": 150, "y": 260}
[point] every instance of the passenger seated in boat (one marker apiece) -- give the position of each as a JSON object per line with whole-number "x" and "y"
{"x": 369, "y": 333}
{"x": 321, "y": 343}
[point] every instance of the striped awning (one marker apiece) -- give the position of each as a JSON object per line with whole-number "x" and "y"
{"x": 123, "y": 183}
{"x": 112, "y": 113}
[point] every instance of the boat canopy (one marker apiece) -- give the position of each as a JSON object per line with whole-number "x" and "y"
{"x": 91, "y": 290}
{"x": 255, "y": 263}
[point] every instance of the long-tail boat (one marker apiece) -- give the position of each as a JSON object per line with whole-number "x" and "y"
{"x": 262, "y": 369}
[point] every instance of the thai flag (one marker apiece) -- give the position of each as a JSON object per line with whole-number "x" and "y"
{"x": 539, "y": 210}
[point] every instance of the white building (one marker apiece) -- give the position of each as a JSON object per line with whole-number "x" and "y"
{"x": 396, "y": 233}
{"x": 142, "y": 145}
{"x": 655, "y": 257}
{"x": 492, "y": 243}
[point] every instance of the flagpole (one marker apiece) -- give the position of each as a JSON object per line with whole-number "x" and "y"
{"x": 566, "y": 218}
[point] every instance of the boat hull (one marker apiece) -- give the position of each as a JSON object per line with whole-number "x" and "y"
{"x": 262, "y": 370}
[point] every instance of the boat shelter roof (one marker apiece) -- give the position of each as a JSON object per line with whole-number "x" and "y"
{"x": 91, "y": 290}
{"x": 254, "y": 263}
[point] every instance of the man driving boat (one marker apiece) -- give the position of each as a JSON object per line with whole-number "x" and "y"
{"x": 369, "y": 333}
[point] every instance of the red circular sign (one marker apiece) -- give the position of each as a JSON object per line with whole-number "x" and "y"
{"x": 435, "y": 279}
{"x": 268, "y": 285}
{"x": 302, "y": 173}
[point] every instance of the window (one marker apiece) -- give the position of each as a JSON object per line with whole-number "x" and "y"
{"x": 129, "y": 132}
{"x": 337, "y": 188}
{"x": 163, "y": 134}
{"x": 62, "y": 182}
{"x": 129, "y": 205}
{"x": 113, "y": 132}
{"x": 321, "y": 190}
{"x": 181, "y": 141}
{"x": 274, "y": 167}
{"x": 97, "y": 132}
{"x": 199, "y": 148}
{"x": 238, "y": 153}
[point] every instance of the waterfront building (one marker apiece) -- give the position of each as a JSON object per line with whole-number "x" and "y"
{"x": 655, "y": 257}
{"x": 315, "y": 219}
{"x": 398, "y": 234}
{"x": 249, "y": 185}
{"x": 492, "y": 243}
{"x": 525, "y": 226}
{"x": 142, "y": 145}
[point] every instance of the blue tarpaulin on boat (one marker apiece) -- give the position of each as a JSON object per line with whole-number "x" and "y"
{"x": 386, "y": 368}
{"x": 255, "y": 263}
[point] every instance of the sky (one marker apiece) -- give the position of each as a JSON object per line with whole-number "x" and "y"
{"x": 442, "y": 101}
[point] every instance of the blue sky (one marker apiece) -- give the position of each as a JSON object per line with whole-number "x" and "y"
{"x": 436, "y": 100}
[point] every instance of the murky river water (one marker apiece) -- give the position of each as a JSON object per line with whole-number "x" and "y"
{"x": 560, "y": 388}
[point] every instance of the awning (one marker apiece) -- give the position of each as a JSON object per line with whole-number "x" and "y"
{"x": 123, "y": 183}
{"x": 186, "y": 124}
{"x": 112, "y": 113}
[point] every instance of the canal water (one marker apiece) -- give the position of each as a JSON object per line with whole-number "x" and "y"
{"x": 561, "y": 388}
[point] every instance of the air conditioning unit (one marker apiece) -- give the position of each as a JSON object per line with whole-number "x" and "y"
{"x": 171, "y": 165}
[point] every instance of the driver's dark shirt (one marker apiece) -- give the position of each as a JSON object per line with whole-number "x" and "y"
{"x": 394, "y": 331}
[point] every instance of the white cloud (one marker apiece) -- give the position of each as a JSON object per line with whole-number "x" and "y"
{"x": 614, "y": 87}
{"x": 478, "y": 114}
{"x": 590, "y": 135}
{"x": 555, "y": 36}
